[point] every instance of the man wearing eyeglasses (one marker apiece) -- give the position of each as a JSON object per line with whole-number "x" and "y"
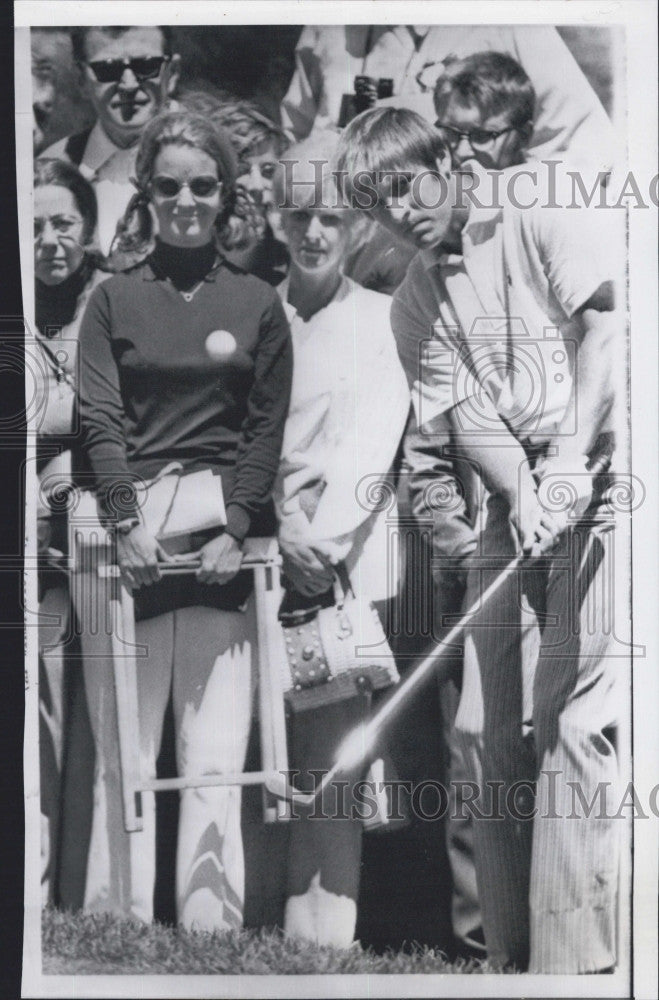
{"x": 128, "y": 73}
{"x": 485, "y": 107}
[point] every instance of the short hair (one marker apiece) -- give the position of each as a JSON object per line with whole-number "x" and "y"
{"x": 493, "y": 81}
{"x": 386, "y": 138}
{"x": 62, "y": 174}
{"x": 309, "y": 184}
{"x": 79, "y": 36}
{"x": 320, "y": 146}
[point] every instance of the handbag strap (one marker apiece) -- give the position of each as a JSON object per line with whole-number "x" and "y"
{"x": 169, "y": 470}
{"x": 341, "y": 584}
{"x": 60, "y": 373}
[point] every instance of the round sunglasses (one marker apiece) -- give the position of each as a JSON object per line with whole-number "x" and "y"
{"x": 199, "y": 187}
{"x": 142, "y": 68}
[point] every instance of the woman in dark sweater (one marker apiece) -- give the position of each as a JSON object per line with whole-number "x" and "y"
{"x": 186, "y": 359}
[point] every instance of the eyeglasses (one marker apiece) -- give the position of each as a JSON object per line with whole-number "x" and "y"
{"x": 199, "y": 187}
{"x": 63, "y": 225}
{"x": 142, "y": 67}
{"x": 478, "y": 138}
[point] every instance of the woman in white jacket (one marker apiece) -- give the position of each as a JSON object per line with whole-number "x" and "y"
{"x": 348, "y": 410}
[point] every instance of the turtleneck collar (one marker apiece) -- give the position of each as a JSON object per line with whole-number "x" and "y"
{"x": 55, "y": 305}
{"x": 184, "y": 266}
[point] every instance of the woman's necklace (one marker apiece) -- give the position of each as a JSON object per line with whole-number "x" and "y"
{"x": 188, "y": 296}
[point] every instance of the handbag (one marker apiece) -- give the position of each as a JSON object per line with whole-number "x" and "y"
{"x": 175, "y": 507}
{"x": 336, "y": 652}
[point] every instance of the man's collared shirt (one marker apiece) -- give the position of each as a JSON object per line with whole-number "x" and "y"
{"x": 109, "y": 168}
{"x": 498, "y": 317}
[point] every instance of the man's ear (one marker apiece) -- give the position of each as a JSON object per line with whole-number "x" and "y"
{"x": 443, "y": 163}
{"x": 525, "y": 133}
{"x": 83, "y": 78}
{"x": 173, "y": 74}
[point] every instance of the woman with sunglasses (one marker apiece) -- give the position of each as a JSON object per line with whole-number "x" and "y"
{"x": 186, "y": 359}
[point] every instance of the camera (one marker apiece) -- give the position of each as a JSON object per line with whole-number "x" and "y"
{"x": 368, "y": 90}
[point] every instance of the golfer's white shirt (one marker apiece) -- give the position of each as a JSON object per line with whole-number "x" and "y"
{"x": 109, "y": 168}
{"x": 349, "y": 405}
{"x": 498, "y": 317}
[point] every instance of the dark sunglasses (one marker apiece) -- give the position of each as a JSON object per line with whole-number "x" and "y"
{"x": 199, "y": 187}
{"x": 478, "y": 138}
{"x": 142, "y": 67}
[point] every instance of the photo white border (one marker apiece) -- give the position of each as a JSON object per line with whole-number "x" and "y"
{"x": 638, "y": 17}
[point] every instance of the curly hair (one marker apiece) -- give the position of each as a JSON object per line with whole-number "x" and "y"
{"x": 249, "y": 130}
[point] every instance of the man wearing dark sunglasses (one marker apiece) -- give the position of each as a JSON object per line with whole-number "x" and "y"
{"x": 128, "y": 73}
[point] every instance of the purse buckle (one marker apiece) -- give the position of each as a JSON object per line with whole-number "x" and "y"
{"x": 290, "y": 619}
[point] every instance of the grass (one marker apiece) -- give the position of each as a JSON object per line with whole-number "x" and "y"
{"x": 101, "y": 944}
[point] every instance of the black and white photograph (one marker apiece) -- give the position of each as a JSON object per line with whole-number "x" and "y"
{"x": 340, "y": 345}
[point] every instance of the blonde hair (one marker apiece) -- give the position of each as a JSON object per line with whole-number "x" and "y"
{"x": 306, "y": 177}
{"x": 387, "y": 139}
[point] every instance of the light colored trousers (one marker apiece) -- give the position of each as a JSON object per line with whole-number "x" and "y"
{"x": 207, "y": 658}
{"x": 538, "y": 694}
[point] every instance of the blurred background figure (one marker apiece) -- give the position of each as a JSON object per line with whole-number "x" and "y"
{"x": 485, "y": 108}
{"x": 66, "y": 271}
{"x": 127, "y": 74}
{"x": 50, "y": 49}
{"x": 571, "y": 123}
